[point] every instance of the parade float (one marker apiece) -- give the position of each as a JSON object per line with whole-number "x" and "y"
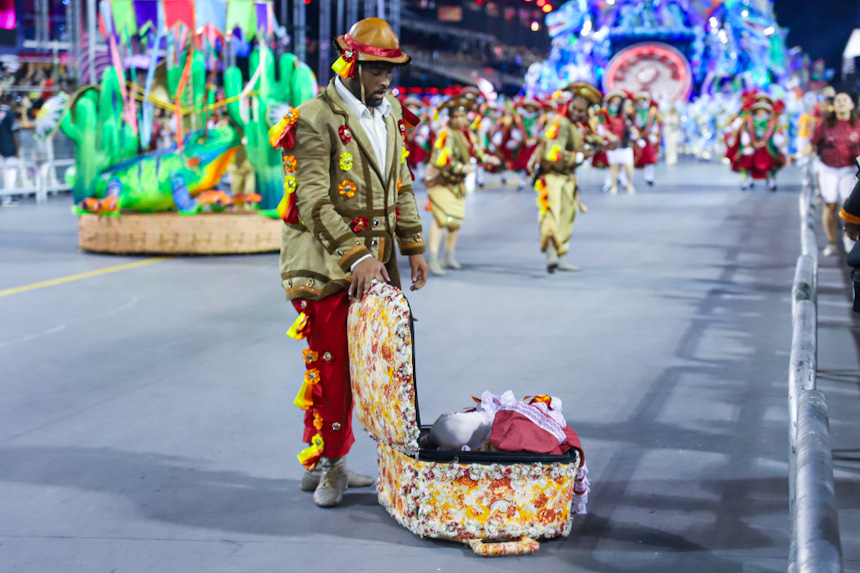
{"x": 670, "y": 48}
{"x": 180, "y": 57}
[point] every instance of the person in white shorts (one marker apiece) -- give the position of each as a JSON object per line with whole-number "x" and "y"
{"x": 622, "y": 156}
{"x": 837, "y": 142}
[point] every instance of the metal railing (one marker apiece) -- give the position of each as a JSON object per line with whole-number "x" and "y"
{"x": 25, "y": 171}
{"x": 48, "y": 180}
{"x": 31, "y": 178}
{"x": 814, "y": 545}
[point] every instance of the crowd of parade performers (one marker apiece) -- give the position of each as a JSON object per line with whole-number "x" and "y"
{"x": 540, "y": 143}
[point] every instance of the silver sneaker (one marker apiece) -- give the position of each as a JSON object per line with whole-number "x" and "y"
{"x": 435, "y": 267}
{"x": 828, "y": 251}
{"x": 333, "y": 482}
{"x": 563, "y": 265}
{"x": 449, "y": 262}
{"x": 310, "y": 480}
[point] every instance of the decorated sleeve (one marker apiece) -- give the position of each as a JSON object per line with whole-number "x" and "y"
{"x": 408, "y": 229}
{"x": 311, "y": 156}
{"x": 555, "y": 144}
{"x": 442, "y": 158}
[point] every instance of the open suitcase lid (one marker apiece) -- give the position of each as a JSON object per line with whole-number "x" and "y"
{"x": 381, "y": 367}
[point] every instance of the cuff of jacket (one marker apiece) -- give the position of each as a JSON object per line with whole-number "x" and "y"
{"x": 409, "y": 249}
{"x": 411, "y": 242}
{"x": 352, "y": 256}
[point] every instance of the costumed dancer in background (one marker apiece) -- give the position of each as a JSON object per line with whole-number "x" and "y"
{"x": 562, "y": 148}
{"x": 647, "y": 145}
{"x": 529, "y": 120}
{"x": 505, "y": 140}
{"x": 450, "y": 164}
{"x": 805, "y": 126}
{"x": 761, "y": 152}
{"x": 419, "y": 139}
{"x": 837, "y": 141}
{"x": 611, "y": 125}
{"x": 599, "y": 160}
{"x": 478, "y": 126}
{"x": 348, "y": 199}
{"x": 672, "y": 133}
{"x": 623, "y": 129}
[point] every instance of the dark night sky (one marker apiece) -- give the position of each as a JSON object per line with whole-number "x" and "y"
{"x": 820, "y": 27}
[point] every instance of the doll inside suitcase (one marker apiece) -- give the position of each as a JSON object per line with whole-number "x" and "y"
{"x": 499, "y": 503}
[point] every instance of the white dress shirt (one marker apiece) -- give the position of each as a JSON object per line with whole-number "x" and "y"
{"x": 373, "y": 125}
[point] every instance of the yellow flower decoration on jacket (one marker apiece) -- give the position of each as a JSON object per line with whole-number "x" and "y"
{"x": 444, "y": 157}
{"x": 289, "y": 184}
{"x": 404, "y": 153}
{"x": 554, "y": 153}
{"x": 347, "y": 189}
{"x": 442, "y": 139}
{"x": 552, "y": 132}
{"x": 290, "y": 163}
{"x": 543, "y": 196}
{"x": 346, "y": 161}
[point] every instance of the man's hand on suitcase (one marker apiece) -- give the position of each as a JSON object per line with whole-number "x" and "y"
{"x": 363, "y": 275}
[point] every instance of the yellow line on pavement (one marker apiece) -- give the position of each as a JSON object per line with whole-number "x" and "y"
{"x": 80, "y": 276}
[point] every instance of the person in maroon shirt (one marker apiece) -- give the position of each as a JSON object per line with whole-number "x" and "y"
{"x": 837, "y": 142}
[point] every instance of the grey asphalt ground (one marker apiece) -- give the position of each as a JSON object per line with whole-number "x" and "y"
{"x": 147, "y": 425}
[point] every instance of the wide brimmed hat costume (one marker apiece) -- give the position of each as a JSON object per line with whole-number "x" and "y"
{"x": 369, "y": 40}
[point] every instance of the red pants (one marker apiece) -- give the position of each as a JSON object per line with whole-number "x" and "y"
{"x": 332, "y": 395}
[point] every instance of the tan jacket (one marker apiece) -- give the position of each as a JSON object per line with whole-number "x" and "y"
{"x": 450, "y": 157}
{"x": 558, "y": 146}
{"x": 347, "y": 206}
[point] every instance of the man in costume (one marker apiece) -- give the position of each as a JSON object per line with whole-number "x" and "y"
{"x": 348, "y": 199}
{"x": 449, "y": 166}
{"x": 647, "y": 146}
{"x": 562, "y": 148}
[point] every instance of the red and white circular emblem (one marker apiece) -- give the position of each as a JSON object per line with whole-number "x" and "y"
{"x": 652, "y": 67}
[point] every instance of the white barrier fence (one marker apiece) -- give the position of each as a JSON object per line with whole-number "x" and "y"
{"x": 27, "y": 178}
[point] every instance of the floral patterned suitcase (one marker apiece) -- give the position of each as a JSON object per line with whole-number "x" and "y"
{"x": 500, "y": 503}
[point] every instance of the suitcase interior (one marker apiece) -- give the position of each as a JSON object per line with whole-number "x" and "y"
{"x": 470, "y": 457}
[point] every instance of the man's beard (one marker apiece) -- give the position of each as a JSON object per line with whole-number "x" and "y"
{"x": 375, "y": 100}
